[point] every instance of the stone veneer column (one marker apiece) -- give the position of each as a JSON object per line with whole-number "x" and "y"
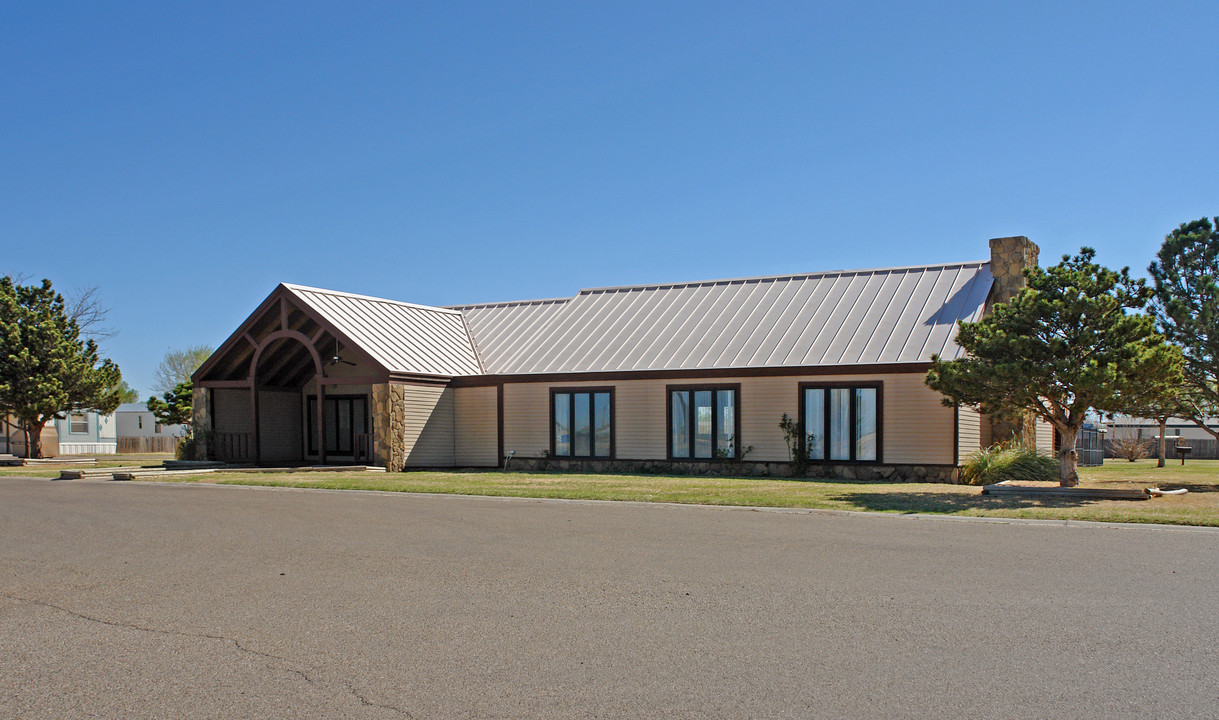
{"x": 1009, "y": 256}
{"x": 389, "y": 426}
{"x": 201, "y": 421}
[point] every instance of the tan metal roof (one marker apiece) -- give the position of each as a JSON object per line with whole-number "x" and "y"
{"x": 402, "y": 337}
{"x": 503, "y": 331}
{"x": 842, "y": 318}
{"x": 855, "y": 317}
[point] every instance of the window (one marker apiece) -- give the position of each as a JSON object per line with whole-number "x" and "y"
{"x": 704, "y": 422}
{"x": 841, "y": 423}
{"x": 139, "y": 421}
{"x": 157, "y": 429}
{"x": 582, "y": 423}
{"x": 345, "y": 417}
{"x": 80, "y": 424}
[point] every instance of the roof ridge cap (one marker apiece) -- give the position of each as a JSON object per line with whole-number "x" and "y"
{"x": 370, "y": 298}
{"x": 785, "y": 276}
{"x": 505, "y": 303}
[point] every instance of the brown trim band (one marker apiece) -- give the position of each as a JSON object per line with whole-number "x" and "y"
{"x": 399, "y": 378}
{"x": 354, "y": 380}
{"x": 956, "y": 434}
{"x": 499, "y": 423}
{"x": 223, "y": 384}
{"x": 693, "y": 373}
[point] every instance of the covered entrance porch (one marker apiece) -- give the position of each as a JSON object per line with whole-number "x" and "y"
{"x": 319, "y": 377}
{"x": 291, "y": 390}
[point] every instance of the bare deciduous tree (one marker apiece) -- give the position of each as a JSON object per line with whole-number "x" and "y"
{"x": 84, "y": 305}
{"x": 1127, "y": 444}
{"x": 177, "y": 365}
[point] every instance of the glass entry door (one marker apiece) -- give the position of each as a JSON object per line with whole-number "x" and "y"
{"x": 345, "y": 417}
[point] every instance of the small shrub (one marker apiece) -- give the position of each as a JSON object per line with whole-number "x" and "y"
{"x": 1013, "y": 462}
{"x": 1130, "y": 447}
{"x": 192, "y": 444}
{"x": 729, "y": 456}
{"x": 791, "y": 436}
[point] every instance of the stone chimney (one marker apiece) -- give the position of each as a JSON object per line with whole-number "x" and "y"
{"x": 1009, "y": 256}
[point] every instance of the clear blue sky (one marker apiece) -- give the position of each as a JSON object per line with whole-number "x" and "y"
{"x": 190, "y": 156}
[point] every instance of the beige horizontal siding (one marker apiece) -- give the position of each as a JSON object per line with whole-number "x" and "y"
{"x": 526, "y": 419}
{"x": 763, "y": 403}
{"x": 918, "y": 429}
{"x": 428, "y": 426}
{"x": 969, "y": 427}
{"x": 475, "y": 434}
{"x": 640, "y": 431}
{"x": 1045, "y": 437}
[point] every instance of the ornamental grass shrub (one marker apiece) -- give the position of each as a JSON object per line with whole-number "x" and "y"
{"x": 1131, "y": 447}
{"x": 1013, "y": 462}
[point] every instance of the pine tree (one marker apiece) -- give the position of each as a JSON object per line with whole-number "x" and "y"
{"x": 174, "y": 407}
{"x": 46, "y": 369}
{"x": 1064, "y": 344}
{"x": 1186, "y": 306}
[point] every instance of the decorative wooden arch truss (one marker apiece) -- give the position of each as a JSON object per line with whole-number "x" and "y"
{"x": 264, "y": 353}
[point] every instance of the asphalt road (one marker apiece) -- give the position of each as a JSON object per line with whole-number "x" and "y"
{"x": 131, "y": 600}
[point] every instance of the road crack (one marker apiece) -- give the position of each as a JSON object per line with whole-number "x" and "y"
{"x": 286, "y": 667}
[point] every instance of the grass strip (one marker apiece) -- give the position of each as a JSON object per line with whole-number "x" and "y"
{"x": 1199, "y": 507}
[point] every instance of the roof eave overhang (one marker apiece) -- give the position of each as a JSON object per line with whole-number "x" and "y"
{"x": 693, "y": 373}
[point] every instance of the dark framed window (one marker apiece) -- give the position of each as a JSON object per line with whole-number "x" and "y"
{"x": 841, "y": 422}
{"x": 582, "y": 422}
{"x": 79, "y": 424}
{"x": 704, "y": 421}
{"x": 344, "y": 416}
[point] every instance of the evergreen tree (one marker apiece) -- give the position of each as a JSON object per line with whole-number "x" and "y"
{"x": 1064, "y": 344}
{"x": 174, "y": 407}
{"x": 46, "y": 369}
{"x": 1186, "y": 306}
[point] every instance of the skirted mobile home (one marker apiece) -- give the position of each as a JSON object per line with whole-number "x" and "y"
{"x": 681, "y": 377}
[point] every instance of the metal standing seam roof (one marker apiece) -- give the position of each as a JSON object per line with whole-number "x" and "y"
{"x": 854, "y": 317}
{"x": 505, "y": 329}
{"x": 841, "y": 318}
{"x": 402, "y": 337}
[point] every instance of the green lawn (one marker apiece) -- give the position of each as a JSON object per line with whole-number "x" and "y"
{"x": 1199, "y": 507}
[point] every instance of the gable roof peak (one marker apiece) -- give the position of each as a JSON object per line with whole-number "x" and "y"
{"x": 297, "y": 289}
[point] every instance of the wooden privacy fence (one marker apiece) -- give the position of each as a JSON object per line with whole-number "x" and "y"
{"x": 1207, "y": 449}
{"x": 151, "y": 444}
